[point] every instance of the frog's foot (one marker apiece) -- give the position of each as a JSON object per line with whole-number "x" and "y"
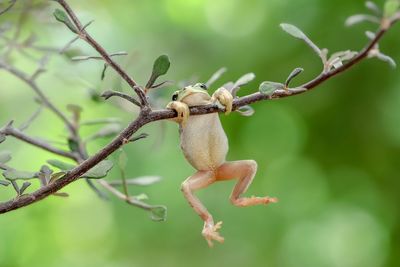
{"x": 182, "y": 109}
{"x": 210, "y": 233}
{"x": 225, "y": 98}
{"x": 251, "y": 201}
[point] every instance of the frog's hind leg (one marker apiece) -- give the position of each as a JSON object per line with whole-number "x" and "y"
{"x": 199, "y": 180}
{"x": 244, "y": 170}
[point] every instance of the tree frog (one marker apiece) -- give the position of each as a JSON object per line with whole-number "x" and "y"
{"x": 205, "y": 145}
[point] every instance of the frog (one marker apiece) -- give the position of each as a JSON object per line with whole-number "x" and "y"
{"x": 205, "y": 145}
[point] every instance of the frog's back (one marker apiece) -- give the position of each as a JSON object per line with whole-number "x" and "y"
{"x": 204, "y": 142}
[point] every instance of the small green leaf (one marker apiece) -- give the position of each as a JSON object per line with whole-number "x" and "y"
{"x": 268, "y": 88}
{"x": 16, "y": 175}
{"x": 141, "y": 197}
{"x": 25, "y": 185}
{"x": 293, "y": 30}
{"x": 292, "y": 75}
{"x": 4, "y": 183}
{"x": 391, "y": 7}
{"x": 61, "y": 16}
{"x": 160, "y": 67}
{"x": 100, "y": 170}
{"x": 60, "y": 165}
{"x": 246, "y": 111}
{"x": 73, "y": 145}
{"x": 5, "y": 156}
{"x": 158, "y": 213}
{"x": 56, "y": 176}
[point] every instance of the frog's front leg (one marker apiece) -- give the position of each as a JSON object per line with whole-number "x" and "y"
{"x": 244, "y": 170}
{"x": 224, "y": 97}
{"x": 182, "y": 109}
{"x": 199, "y": 180}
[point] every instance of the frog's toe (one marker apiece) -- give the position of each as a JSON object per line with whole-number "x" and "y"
{"x": 181, "y": 109}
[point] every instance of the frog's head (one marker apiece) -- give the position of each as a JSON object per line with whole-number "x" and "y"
{"x": 192, "y": 95}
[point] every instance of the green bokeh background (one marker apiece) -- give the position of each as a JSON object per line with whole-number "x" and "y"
{"x": 331, "y": 155}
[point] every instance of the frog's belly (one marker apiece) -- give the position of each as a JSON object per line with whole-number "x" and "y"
{"x": 204, "y": 142}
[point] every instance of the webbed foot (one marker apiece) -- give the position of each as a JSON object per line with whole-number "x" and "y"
{"x": 210, "y": 233}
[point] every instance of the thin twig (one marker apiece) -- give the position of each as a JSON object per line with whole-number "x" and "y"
{"x": 11, "y": 131}
{"x": 84, "y": 35}
{"x": 82, "y": 58}
{"x": 110, "y": 93}
{"x": 23, "y": 77}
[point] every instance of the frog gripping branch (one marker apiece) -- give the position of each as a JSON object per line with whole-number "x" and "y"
{"x": 203, "y": 140}
{"x": 205, "y": 145}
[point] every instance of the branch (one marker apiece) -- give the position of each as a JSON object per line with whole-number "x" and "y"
{"x": 84, "y": 35}
{"x": 108, "y": 94}
{"x": 23, "y": 77}
{"x": 146, "y": 116}
{"x": 11, "y": 131}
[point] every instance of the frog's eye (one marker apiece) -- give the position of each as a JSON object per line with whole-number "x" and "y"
{"x": 203, "y": 86}
{"x": 175, "y": 97}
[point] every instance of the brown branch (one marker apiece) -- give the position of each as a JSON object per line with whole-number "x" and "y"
{"x": 11, "y": 131}
{"x": 84, "y": 35}
{"x": 146, "y": 116}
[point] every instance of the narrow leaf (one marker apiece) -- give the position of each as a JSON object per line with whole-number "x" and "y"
{"x": 386, "y": 59}
{"x": 370, "y": 35}
{"x": 24, "y": 186}
{"x": 373, "y": 7}
{"x": 100, "y": 170}
{"x": 215, "y": 76}
{"x": 18, "y": 175}
{"x": 56, "y": 176}
{"x": 61, "y": 16}
{"x": 4, "y": 183}
{"x": 297, "y": 33}
{"x": 292, "y": 75}
{"x": 358, "y": 18}
{"x": 5, "y": 156}
{"x": 268, "y": 88}
{"x": 245, "y": 79}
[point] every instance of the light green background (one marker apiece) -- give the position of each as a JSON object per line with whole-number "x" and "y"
{"x": 331, "y": 155}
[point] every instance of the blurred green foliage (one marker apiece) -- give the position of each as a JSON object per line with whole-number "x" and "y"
{"x": 331, "y": 155}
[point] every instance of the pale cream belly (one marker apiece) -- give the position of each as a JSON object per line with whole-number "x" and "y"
{"x": 204, "y": 142}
